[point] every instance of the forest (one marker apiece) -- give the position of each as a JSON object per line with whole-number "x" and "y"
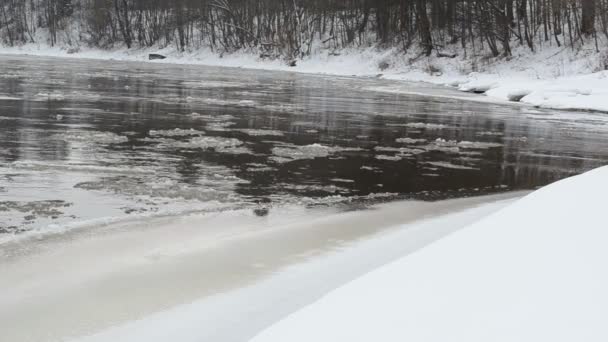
{"x": 293, "y": 28}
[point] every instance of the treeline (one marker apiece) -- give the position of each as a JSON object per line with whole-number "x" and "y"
{"x": 293, "y": 28}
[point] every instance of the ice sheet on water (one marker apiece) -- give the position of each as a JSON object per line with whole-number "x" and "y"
{"x": 36, "y": 166}
{"x": 223, "y": 102}
{"x": 490, "y": 133}
{"x": 199, "y": 142}
{"x": 478, "y": 145}
{"x": 16, "y": 214}
{"x": 256, "y": 167}
{"x": 213, "y": 184}
{"x": 50, "y": 96}
{"x": 400, "y": 150}
{"x": 261, "y": 132}
{"x": 208, "y": 117}
{"x": 39, "y": 208}
{"x": 410, "y": 141}
{"x": 81, "y": 110}
{"x": 425, "y": 125}
{"x": 176, "y": 132}
{"x": 448, "y": 165}
{"x": 219, "y": 126}
{"x": 294, "y": 152}
{"x": 453, "y": 146}
{"x": 215, "y": 84}
{"x": 319, "y": 188}
{"x": 389, "y": 158}
{"x": 466, "y": 148}
{"x": 342, "y": 180}
{"x": 61, "y": 96}
{"x": 91, "y": 137}
{"x": 235, "y": 150}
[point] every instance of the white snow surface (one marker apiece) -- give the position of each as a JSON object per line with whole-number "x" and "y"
{"x": 534, "y": 271}
{"x": 551, "y": 77}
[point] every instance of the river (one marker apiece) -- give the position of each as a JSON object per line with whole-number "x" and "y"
{"x": 90, "y": 142}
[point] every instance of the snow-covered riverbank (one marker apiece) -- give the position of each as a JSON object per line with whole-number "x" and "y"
{"x": 221, "y": 277}
{"x": 535, "y": 271}
{"x": 550, "y": 78}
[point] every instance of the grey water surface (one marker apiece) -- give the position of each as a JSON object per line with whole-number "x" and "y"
{"x": 88, "y": 142}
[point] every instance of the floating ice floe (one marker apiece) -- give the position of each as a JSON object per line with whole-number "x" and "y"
{"x": 324, "y": 188}
{"x": 478, "y": 144}
{"x": 410, "y": 141}
{"x": 214, "y": 84}
{"x": 447, "y": 165}
{"x": 50, "y": 96}
{"x": 400, "y": 150}
{"x": 389, "y": 158}
{"x": 219, "y": 126}
{"x": 256, "y": 167}
{"x": 91, "y": 137}
{"x": 48, "y": 208}
{"x": 342, "y": 180}
{"x": 177, "y": 132}
{"x": 37, "y": 166}
{"x": 234, "y": 150}
{"x": 291, "y": 153}
{"x": 261, "y": 132}
{"x": 420, "y": 125}
{"x": 200, "y": 142}
{"x": 9, "y": 98}
{"x": 490, "y": 133}
{"x": 426, "y": 125}
{"x": 208, "y": 117}
{"x": 219, "y": 102}
{"x": 453, "y": 146}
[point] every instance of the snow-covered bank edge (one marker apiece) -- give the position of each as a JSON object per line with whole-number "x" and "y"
{"x": 534, "y": 271}
{"x": 551, "y": 78}
{"x": 239, "y": 315}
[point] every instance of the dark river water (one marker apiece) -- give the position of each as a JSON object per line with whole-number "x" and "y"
{"x": 86, "y": 142}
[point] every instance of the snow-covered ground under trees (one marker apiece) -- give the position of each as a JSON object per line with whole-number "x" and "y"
{"x": 551, "y": 77}
{"x": 534, "y": 271}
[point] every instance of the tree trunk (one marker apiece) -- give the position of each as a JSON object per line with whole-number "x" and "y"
{"x": 424, "y": 26}
{"x": 588, "y": 17}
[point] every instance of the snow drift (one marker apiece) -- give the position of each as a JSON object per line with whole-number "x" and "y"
{"x": 535, "y": 271}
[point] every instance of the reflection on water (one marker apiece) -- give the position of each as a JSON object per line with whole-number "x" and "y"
{"x": 92, "y": 140}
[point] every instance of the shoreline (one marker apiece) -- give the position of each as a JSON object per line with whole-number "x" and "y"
{"x": 534, "y": 271}
{"x": 533, "y": 83}
{"x": 138, "y": 270}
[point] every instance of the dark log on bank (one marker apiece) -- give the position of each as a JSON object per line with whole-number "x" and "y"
{"x": 446, "y": 55}
{"x": 154, "y": 56}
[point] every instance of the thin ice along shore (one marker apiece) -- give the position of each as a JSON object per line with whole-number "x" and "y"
{"x": 170, "y": 279}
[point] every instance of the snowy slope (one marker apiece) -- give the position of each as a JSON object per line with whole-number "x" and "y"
{"x": 535, "y": 271}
